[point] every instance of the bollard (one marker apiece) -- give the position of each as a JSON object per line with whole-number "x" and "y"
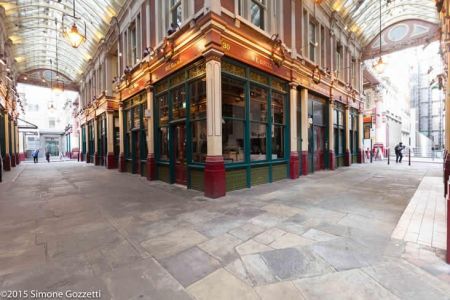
{"x": 409, "y": 156}
{"x": 389, "y": 156}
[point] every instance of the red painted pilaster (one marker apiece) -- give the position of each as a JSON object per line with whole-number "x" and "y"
{"x": 332, "y": 160}
{"x": 448, "y": 230}
{"x": 96, "y": 159}
{"x": 347, "y": 158}
{"x": 446, "y": 173}
{"x": 7, "y": 162}
{"x": 304, "y": 162}
{"x": 88, "y": 157}
{"x": 151, "y": 167}
{"x": 122, "y": 162}
{"x": 294, "y": 165}
{"x": 110, "y": 161}
{"x": 360, "y": 158}
{"x": 17, "y": 159}
{"x": 215, "y": 177}
{"x": 13, "y": 160}
{"x": 22, "y": 156}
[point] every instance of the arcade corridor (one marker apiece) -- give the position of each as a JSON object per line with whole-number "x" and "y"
{"x": 73, "y": 226}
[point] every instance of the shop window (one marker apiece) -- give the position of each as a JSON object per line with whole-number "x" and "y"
{"x": 179, "y": 103}
{"x": 278, "y": 119}
{"x": 258, "y": 118}
{"x": 233, "y": 110}
{"x": 198, "y": 120}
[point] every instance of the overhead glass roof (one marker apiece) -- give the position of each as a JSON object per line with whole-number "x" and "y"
{"x": 362, "y": 16}
{"x": 35, "y": 28}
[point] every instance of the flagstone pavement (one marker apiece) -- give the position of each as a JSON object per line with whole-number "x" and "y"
{"x": 72, "y": 226}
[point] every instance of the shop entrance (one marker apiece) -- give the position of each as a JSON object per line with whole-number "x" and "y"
{"x": 135, "y": 151}
{"x": 317, "y": 133}
{"x": 178, "y": 162}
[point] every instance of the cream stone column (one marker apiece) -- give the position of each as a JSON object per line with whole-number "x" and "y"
{"x": 331, "y": 154}
{"x": 16, "y": 131}
{"x": 21, "y": 147}
{"x": 88, "y": 155}
{"x": 360, "y": 137}
{"x": 348, "y": 153}
{"x": 13, "y": 143}
{"x": 294, "y": 167}
{"x": 121, "y": 139}
{"x": 96, "y": 154}
{"x": 447, "y": 133}
{"x": 305, "y": 127}
{"x": 214, "y": 166}
{"x": 151, "y": 165}
{"x": 110, "y": 158}
{"x": 7, "y": 158}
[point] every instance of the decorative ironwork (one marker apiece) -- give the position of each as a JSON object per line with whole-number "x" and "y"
{"x": 259, "y": 78}
{"x": 233, "y": 69}
{"x": 168, "y": 49}
{"x": 277, "y": 54}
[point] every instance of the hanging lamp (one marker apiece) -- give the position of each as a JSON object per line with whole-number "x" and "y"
{"x": 72, "y": 35}
{"x": 380, "y": 65}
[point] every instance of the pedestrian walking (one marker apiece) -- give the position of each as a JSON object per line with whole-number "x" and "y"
{"x": 398, "y": 152}
{"x": 35, "y": 155}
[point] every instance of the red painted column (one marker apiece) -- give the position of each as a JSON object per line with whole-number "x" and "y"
{"x": 215, "y": 186}
{"x": 88, "y": 157}
{"x": 305, "y": 163}
{"x": 332, "y": 160}
{"x": 7, "y": 162}
{"x": 360, "y": 156}
{"x": 151, "y": 167}
{"x": 96, "y": 159}
{"x": 22, "y": 156}
{"x": 110, "y": 161}
{"x": 13, "y": 160}
{"x": 448, "y": 230}
{"x": 446, "y": 172}
{"x": 347, "y": 158}
{"x": 122, "y": 162}
{"x": 294, "y": 165}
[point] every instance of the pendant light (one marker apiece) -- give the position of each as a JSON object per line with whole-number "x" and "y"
{"x": 380, "y": 65}
{"x": 72, "y": 35}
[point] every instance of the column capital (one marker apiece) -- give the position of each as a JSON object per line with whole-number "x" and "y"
{"x": 293, "y": 85}
{"x": 213, "y": 54}
{"x": 149, "y": 88}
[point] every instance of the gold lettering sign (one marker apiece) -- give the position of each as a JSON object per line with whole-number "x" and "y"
{"x": 172, "y": 65}
{"x": 226, "y": 46}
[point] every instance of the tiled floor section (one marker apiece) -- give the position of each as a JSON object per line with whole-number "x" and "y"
{"x": 324, "y": 236}
{"x": 425, "y": 218}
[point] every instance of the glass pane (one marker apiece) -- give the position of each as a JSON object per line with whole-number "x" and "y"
{"x": 163, "y": 110}
{"x": 256, "y": 15}
{"x": 335, "y": 117}
{"x": 277, "y": 142}
{"x": 178, "y": 103}
{"x": 179, "y": 143}
{"x": 258, "y": 104}
{"x": 233, "y": 141}
{"x": 258, "y": 141}
{"x": 233, "y": 96}
{"x": 278, "y": 107}
{"x": 199, "y": 145}
{"x": 318, "y": 113}
{"x": 341, "y": 118}
{"x": 164, "y": 143}
{"x": 198, "y": 99}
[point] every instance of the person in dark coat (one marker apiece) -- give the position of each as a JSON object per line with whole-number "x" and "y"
{"x": 47, "y": 156}
{"x": 398, "y": 152}
{"x": 35, "y": 155}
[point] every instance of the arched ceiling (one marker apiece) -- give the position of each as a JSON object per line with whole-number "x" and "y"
{"x": 35, "y": 29}
{"x": 363, "y": 16}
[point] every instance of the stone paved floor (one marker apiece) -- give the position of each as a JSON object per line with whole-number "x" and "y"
{"x": 74, "y": 226}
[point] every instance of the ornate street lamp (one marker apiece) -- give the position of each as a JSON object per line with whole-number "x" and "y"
{"x": 72, "y": 35}
{"x": 380, "y": 65}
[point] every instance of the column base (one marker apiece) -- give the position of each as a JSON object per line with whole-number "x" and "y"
{"x": 110, "y": 161}
{"x": 88, "y": 157}
{"x": 17, "y": 159}
{"x": 347, "y": 158}
{"x": 22, "y": 157}
{"x": 7, "y": 162}
{"x": 446, "y": 172}
{"x": 215, "y": 186}
{"x": 122, "y": 162}
{"x": 360, "y": 158}
{"x": 305, "y": 166}
{"x": 96, "y": 159}
{"x": 448, "y": 231}
{"x": 294, "y": 166}
{"x": 332, "y": 160}
{"x": 13, "y": 160}
{"x": 151, "y": 167}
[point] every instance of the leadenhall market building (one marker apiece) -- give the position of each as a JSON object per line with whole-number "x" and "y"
{"x": 223, "y": 103}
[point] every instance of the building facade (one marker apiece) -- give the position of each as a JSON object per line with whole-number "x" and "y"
{"x": 10, "y": 104}
{"x": 223, "y": 95}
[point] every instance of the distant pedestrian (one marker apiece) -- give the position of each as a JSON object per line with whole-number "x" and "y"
{"x": 47, "y": 156}
{"x": 398, "y": 152}
{"x": 35, "y": 155}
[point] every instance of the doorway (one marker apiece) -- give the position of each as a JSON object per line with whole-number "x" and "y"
{"x": 135, "y": 151}
{"x": 178, "y": 162}
{"x": 317, "y": 133}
